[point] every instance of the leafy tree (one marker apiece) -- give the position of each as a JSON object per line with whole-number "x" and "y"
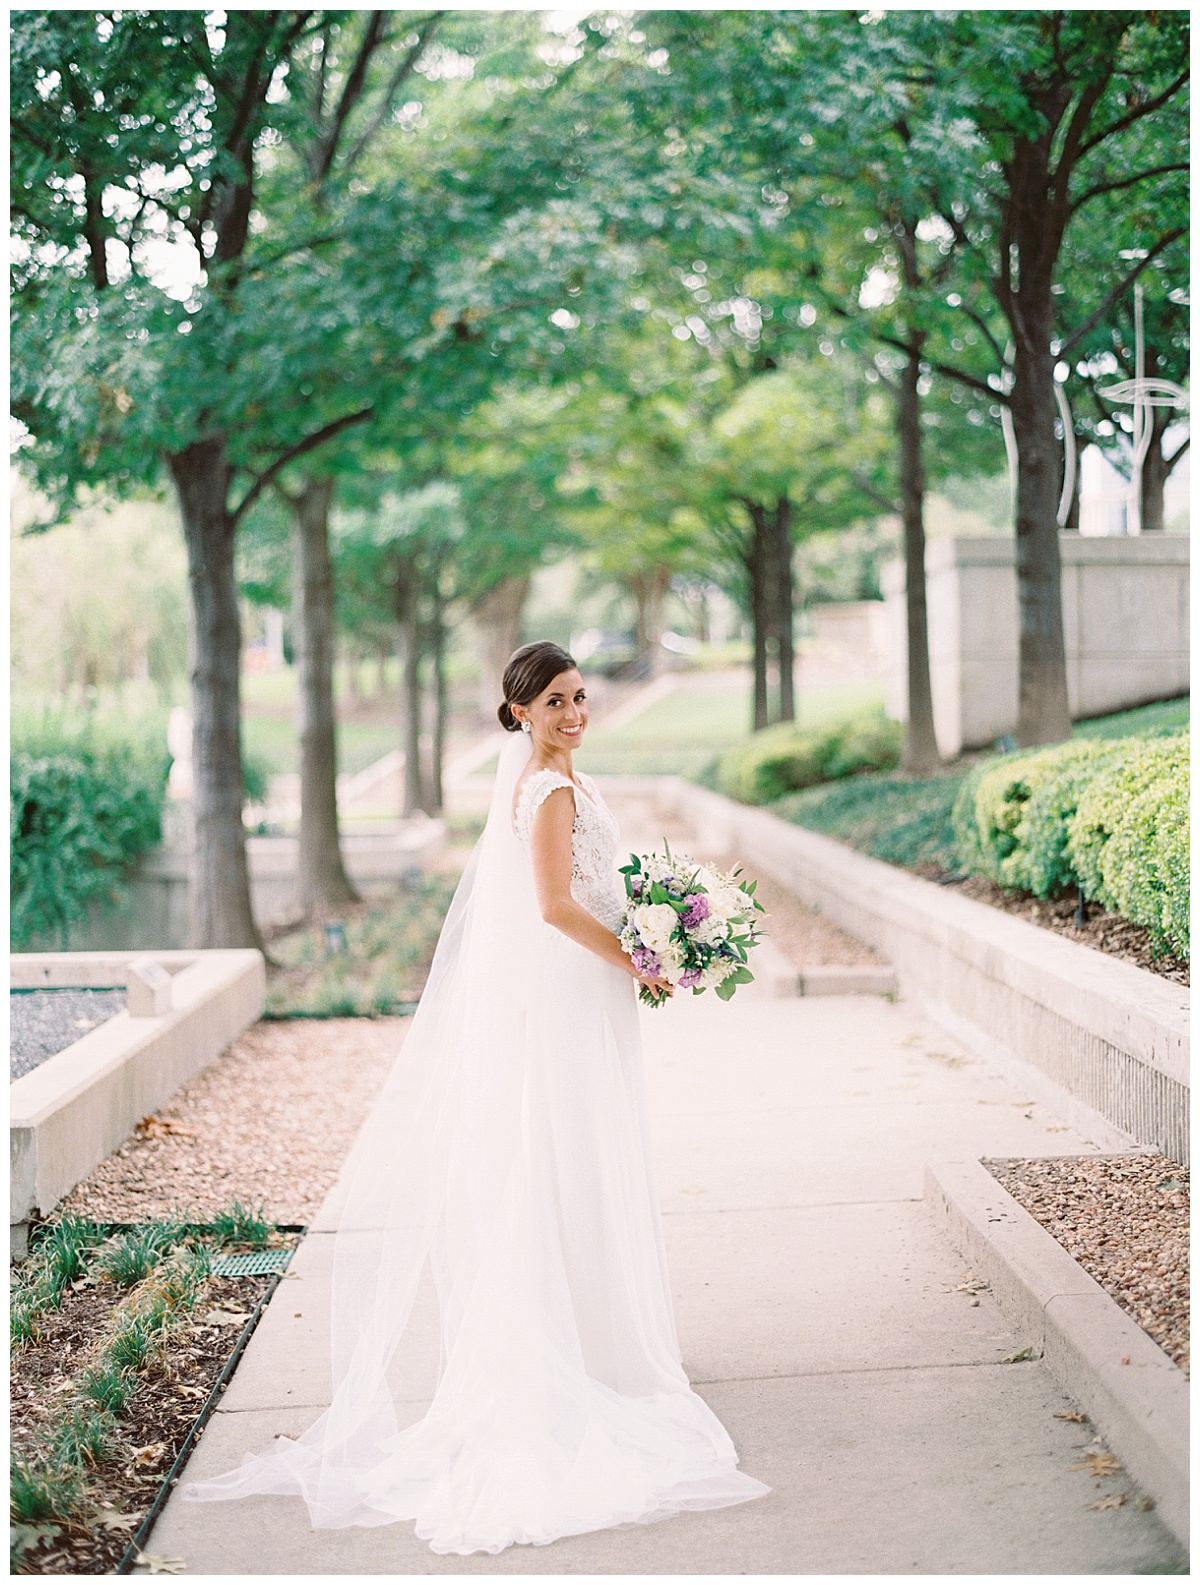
{"x": 270, "y": 355}
{"x": 1071, "y": 107}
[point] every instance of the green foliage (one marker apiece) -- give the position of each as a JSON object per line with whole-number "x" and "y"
{"x": 888, "y": 817}
{"x": 130, "y": 1258}
{"x": 132, "y": 1342}
{"x": 106, "y": 1385}
{"x": 1109, "y": 816}
{"x": 84, "y": 803}
{"x": 1129, "y": 840}
{"x": 84, "y": 1437}
{"x": 783, "y": 759}
{"x": 1010, "y": 820}
{"x": 239, "y": 1224}
{"x": 1162, "y": 719}
{"x": 38, "y": 1493}
{"x": 389, "y": 943}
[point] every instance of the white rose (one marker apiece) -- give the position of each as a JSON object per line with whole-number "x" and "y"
{"x": 655, "y": 922}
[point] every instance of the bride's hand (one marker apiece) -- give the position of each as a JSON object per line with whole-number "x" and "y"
{"x": 657, "y": 985}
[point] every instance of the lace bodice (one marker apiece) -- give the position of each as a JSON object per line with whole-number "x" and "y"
{"x": 594, "y": 842}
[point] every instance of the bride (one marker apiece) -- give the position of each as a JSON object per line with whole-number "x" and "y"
{"x": 507, "y": 1155}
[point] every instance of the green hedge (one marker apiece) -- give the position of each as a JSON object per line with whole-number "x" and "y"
{"x": 783, "y": 759}
{"x": 83, "y": 804}
{"x": 1107, "y": 815}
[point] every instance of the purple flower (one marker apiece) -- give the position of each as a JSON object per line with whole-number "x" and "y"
{"x": 635, "y": 885}
{"x": 688, "y": 978}
{"x": 646, "y": 962}
{"x": 697, "y": 910}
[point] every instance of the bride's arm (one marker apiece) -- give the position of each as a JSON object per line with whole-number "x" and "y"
{"x": 550, "y": 852}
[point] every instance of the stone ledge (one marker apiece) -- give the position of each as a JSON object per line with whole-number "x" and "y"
{"x": 1131, "y": 1391}
{"x": 1102, "y": 1041}
{"x": 74, "y": 1109}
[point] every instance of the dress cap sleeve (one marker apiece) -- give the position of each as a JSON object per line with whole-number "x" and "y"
{"x": 534, "y": 793}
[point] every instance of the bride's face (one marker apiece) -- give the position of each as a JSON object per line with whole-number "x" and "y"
{"x": 558, "y": 716}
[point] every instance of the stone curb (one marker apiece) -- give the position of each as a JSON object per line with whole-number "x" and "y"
{"x": 1131, "y": 1391}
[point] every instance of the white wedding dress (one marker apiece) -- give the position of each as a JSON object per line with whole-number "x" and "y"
{"x": 508, "y": 1156}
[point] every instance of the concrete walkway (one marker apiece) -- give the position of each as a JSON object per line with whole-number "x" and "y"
{"x": 816, "y": 1303}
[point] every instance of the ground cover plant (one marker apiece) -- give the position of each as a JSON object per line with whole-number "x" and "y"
{"x": 368, "y": 961}
{"x": 117, "y": 1337}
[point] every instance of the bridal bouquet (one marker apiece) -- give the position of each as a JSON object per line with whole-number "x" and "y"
{"x": 688, "y": 924}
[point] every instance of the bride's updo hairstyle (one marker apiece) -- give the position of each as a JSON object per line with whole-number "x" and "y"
{"x": 530, "y": 671}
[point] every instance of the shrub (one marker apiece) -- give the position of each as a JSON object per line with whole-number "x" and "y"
{"x": 783, "y": 759}
{"x": 1128, "y": 841}
{"x": 83, "y": 804}
{"x": 1109, "y": 816}
{"x": 1010, "y": 815}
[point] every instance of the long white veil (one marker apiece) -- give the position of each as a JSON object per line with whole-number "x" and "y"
{"x": 426, "y": 1174}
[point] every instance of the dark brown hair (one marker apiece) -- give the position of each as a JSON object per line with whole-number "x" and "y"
{"x": 530, "y": 671}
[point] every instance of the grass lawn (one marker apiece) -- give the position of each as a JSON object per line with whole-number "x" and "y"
{"x": 269, "y": 742}
{"x": 682, "y": 733}
{"x": 902, "y": 821}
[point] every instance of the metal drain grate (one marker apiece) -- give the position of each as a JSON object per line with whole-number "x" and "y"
{"x": 256, "y": 1265}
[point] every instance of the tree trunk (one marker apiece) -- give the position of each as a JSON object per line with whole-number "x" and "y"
{"x": 351, "y": 659}
{"x": 921, "y": 757}
{"x": 437, "y": 755}
{"x": 497, "y": 617}
{"x": 757, "y": 569}
{"x": 649, "y": 590}
{"x": 1031, "y": 235}
{"x": 220, "y": 882}
{"x": 321, "y": 879}
{"x": 1044, "y": 714}
{"x": 779, "y": 525}
{"x": 1154, "y": 476}
{"x": 410, "y": 683}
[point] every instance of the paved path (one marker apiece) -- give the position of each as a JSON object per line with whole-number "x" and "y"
{"x": 814, "y": 1296}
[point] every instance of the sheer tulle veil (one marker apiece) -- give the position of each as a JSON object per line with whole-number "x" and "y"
{"x": 436, "y": 1153}
{"x": 508, "y": 1158}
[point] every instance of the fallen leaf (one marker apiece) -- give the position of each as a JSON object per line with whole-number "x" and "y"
{"x": 163, "y": 1127}
{"x": 150, "y": 1454}
{"x": 191, "y": 1392}
{"x": 31, "y": 1535}
{"x": 157, "y": 1564}
{"x": 1072, "y": 1415}
{"x": 1021, "y": 1355}
{"x": 224, "y": 1317}
{"x": 1115, "y": 1499}
{"x": 1124, "y": 1359}
{"x": 1099, "y": 1464}
{"x": 1144, "y": 1504}
{"x": 112, "y": 1520}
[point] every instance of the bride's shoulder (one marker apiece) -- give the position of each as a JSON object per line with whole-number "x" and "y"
{"x": 534, "y": 787}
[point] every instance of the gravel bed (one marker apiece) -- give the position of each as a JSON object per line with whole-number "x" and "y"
{"x": 43, "y": 1023}
{"x": 271, "y": 1119}
{"x": 1125, "y": 1220}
